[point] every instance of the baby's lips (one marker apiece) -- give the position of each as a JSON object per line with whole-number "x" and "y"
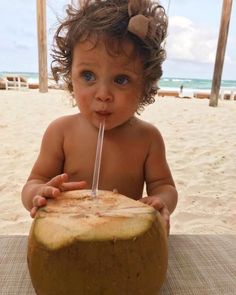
{"x": 103, "y": 113}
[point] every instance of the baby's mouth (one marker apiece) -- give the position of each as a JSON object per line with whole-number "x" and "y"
{"x": 103, "y": 113}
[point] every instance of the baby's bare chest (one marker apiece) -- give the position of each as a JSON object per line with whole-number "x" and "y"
{"x": 122, "y": 164}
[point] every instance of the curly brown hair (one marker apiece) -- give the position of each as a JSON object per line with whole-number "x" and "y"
{"x": 111, "y": 18}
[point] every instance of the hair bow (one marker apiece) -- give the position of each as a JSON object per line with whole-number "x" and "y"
{"x": 139, "y": 26}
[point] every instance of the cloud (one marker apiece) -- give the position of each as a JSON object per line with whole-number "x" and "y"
{"x": 190, "y": 42}
{"x": 191, "y": 50}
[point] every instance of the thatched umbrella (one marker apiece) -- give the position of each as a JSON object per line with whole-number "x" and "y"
{"x": 220, "y": 54}
{"x": 42, "y": 45}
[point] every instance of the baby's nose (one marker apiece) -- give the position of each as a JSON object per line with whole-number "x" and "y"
{"x": 104, "y": 93}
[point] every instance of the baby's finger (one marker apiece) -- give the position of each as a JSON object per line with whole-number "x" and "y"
{"x": 50, "y": 192}
{"x": 166, "y": 216}
{"x": 39, "y": 201}
{"x": 155, "y": 202}
{"x": 33, "y": 212}
{"x": 158, "y": 204}
{"x": 58, "y": 180}
{"x": 165, "y": 213}
{"x": 69, "y": 186}
{"x": 146, "y": 200}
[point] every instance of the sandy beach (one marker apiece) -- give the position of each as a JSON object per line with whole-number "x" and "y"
{"x": 200, "y": 145}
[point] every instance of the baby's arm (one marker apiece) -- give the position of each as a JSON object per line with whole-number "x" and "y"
{"x": 47, "y": 179}
{"x": 162, "y": 194}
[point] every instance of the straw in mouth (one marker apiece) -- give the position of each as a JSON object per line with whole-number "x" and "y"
{"x": 97, "y": 164}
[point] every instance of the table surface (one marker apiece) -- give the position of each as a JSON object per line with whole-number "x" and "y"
{"x": 198, "y": 264}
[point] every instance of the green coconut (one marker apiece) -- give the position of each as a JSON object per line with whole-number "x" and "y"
{"x": 108, "y": 245}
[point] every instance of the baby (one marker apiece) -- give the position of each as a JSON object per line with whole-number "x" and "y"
{"x": 109, "y": 53}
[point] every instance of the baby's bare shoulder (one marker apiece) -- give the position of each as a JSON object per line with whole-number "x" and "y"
{"x": 59, "y": 127}
{"x": 64, "y": 121}
{"x": 148, "y": 129}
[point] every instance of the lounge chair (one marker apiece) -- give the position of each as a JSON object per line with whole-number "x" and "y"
{"x": 201, "y": 95}
{"x": 228, "y": 94}
{"x": 15, "y": 82}
{"x": 168, "y": 93}
{"x": 2, "y": 84}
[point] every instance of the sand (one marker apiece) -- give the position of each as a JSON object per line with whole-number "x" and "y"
{"x": 200, "y": 146}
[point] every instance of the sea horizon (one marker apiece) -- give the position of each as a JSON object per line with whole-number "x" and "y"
{"x": 172, "y": 83}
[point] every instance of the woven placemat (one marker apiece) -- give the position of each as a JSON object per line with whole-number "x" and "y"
{"x": 14, "y": 275}
{"x": 201, "y": 265}
{"x": 198, "y": 264}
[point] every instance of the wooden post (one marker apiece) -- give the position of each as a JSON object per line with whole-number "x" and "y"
{"x": 220, "y": 54}
{"x": 42, "y": 46}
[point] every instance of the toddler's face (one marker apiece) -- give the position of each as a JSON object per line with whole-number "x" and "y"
{"x": 106, "y": 86}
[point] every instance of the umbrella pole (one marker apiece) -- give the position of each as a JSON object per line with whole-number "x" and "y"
{"x": 220, "y": 54}
{"x": 42, "y": 46}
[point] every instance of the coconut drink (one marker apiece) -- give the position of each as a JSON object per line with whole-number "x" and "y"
{"x": 108, "y": 244}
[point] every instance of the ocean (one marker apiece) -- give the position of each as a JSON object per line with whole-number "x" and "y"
{"x": 194, "y": 84}
{"x": 171, "y": 83}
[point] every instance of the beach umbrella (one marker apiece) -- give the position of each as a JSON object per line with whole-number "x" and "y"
{"x": 42, "y": 46}
{"x": 220, "y": 53}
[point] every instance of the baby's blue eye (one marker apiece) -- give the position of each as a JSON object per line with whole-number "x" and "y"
{"x": 88, "y": 76}
{"x": 122, "y": 80}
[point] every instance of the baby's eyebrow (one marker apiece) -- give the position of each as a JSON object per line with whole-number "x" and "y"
{"x": 124, "y": 69}
{"x": 85, "y": 64}
{"x": 130, "y": 71}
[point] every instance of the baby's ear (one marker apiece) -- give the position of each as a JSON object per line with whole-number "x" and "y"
{"x": 155, "y": 85}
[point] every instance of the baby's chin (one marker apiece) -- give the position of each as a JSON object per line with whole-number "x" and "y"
{"x": 119, "y": 125}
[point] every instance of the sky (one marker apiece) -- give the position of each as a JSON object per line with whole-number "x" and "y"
{"x": 191, "y": 43}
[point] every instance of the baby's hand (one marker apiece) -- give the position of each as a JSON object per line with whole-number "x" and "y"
{"x": 52, "y": 189}
{"x": 158, "y": 204}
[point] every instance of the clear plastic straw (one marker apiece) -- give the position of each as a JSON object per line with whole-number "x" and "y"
{"x": 96, "y": 172}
